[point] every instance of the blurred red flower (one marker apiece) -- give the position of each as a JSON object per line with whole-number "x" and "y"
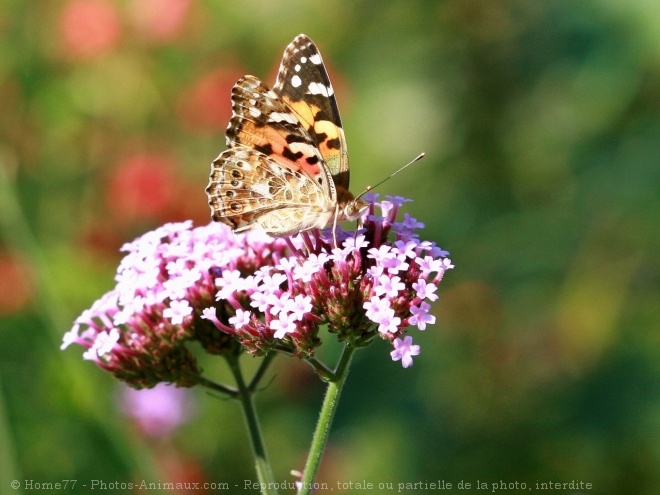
{"x": 159, "y": 20}
{"x": 206, "y": 103}
{"x": 142, "y": 187}
{"x": 191, "y": 202}
{"x": 15, "y": 289}
{"x": 89, "y": 28}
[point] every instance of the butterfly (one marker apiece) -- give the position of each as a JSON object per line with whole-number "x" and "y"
{"x": 286, "y": 167}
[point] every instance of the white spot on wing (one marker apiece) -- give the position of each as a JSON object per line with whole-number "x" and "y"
{"x": 316, "y": 59}
{"x": 255, "y": 112}
{"x": 315, "y": 88}
{"x": 261, "y": 189}
{"x": 303, "y": 60}
{"x": 306, "y": 149}
{"x": 296, "y": 81}
{"x": 297, "y": 68}
{"x": 276, "y": 168}
{"x": 282, "y": 117}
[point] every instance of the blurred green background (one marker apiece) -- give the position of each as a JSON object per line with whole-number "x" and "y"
{"x": 541, "y": 122}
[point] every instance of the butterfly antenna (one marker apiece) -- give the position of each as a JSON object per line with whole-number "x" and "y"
{"x": 370, "y": 188}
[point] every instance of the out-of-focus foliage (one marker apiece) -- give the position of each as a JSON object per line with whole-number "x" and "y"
{"x": 541, "y": 125}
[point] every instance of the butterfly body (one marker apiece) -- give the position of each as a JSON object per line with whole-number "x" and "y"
{"x": 286, "y": 167}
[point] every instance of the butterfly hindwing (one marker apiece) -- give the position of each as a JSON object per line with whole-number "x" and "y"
{"x": 248, "y": 188}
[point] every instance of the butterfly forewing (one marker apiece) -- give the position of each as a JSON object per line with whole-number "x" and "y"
{"x": 304, "y": 85}
{"x": 263, "y": 122}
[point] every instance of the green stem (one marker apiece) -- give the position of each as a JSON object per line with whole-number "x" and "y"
{"x": 265, "y": 362}
{"x": 232, "y": 392}
{"x": 322, "y": 431}
{"x": 323, "y": 371}
{"x": 262, "y": 466}
{"x": 216, "y": 387}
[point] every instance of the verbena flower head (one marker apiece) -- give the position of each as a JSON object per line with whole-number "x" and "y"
{"x": 226, "y": 290}
{"x": 138, "y": 330}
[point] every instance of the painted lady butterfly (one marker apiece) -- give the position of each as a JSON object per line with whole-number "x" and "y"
{"x": 286, "y": 169}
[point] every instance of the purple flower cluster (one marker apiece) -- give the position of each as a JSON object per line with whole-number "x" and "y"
{"x": 138, "y": 330}
{"x": 366, "y": 286}
{"x": 229, "y": 291}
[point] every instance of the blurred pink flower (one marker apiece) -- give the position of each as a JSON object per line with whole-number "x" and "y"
{"x": 205, "y": 104}
{"x": 157, "y": 411}
{"x": 159, "y": 20}
{"x": 89, "y": 28}
{"x": 142, "y": 187}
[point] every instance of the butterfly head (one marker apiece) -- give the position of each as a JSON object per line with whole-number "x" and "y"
{"x": 355, "y": 209}
{"x": 351, "y": 208}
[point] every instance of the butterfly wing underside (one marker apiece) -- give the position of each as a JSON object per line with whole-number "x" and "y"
{"x": 281, "y": 202}
{"x": 285, "y": 150}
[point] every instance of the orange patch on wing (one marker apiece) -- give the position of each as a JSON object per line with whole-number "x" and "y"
{"x": 252, "y": 136}
{"x": 332, "y": 131}
{"x": 305, "y": 114}
{"x": 302, "y": 110}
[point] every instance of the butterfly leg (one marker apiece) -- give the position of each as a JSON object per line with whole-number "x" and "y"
{"x": 334, "y": 224}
